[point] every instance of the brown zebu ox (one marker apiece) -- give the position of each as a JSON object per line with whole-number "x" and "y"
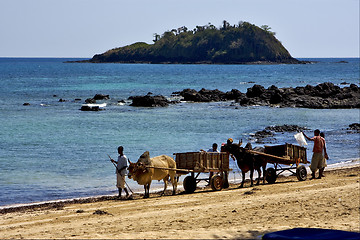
{"x": 247, "y": 161}
{"x": 147, "y": 169}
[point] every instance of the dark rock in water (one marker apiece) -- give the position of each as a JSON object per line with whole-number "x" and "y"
{"x": 325, "y": 90}
{"x": 93, "y": 108}
{"x": 263, "y": 136}
{"x": 255, "y": 91}
{"x": 286, "y": 128}
{"x": 234, "y": 94}
{"x": 149, "y": 101}
{"x": 204, "y": 95}
{"x": 77, "y": 99}
{"x": 26, "y": 104}
{"x": 97, "y": 97}
{"x": 90, "y": 100}
{"x": 62, "y": 100}
{"x": 325, "y": 95}
{"x": 354, "y": 127}
{"x": 101, "y": 97}
{"x": 212, "y": 95}
{"x": 191, "y": 95}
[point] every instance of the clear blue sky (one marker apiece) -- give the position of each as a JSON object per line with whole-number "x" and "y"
{"x": 82, "y": 28}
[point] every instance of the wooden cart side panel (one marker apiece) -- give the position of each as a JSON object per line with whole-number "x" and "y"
{"x": 278, "y": 150}
{"x": 299, "y": 153}
{"x": 225, "y": 161}
{"x": 202, "y": 160}
{"x": 187, "y": 160}
{"x": 214, "y": 160}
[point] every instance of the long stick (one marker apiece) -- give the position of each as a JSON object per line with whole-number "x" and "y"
{"x": 117, "y": 170}
{"x": 269, "y": 155}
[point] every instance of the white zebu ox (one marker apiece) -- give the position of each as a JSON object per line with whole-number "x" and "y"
{"x": 147, "y": 169}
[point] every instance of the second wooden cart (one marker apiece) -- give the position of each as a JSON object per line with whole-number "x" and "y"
{"x": 287, "y": 154}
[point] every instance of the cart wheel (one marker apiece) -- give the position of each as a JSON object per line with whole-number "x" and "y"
{"x": 270, "y": 175}
{"x": 216, "y": 183}
{"x": 189, "y": 184}
{"x": 301, "y": 173}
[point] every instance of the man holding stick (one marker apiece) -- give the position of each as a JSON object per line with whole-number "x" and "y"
{"x": 121, "y": 171}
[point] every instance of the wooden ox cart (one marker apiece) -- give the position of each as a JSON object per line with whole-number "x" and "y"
{"x": 196, "y": 163}
{"x": 286, "y": 154}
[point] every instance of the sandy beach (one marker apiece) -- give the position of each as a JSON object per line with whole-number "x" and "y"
{"x": 331, "y": 202}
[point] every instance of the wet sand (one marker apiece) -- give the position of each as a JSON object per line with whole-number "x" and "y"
{"x": 331, "y": 202}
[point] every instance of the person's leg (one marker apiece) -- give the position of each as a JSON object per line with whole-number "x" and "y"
{"x": 118, "y": 184}
{"x": 324, "y": 165}
{"x": 316, "y": 163}
{"x": 321, "y": 165}
{"x": 313, "y": 166}
{"x": 126, "y": 191}
{"x": 320, "y": 173}
{"x": 122, "y": 185}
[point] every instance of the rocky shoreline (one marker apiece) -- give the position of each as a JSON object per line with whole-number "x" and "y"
{"x": 323, "y": 96}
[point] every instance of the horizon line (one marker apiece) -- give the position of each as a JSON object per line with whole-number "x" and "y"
{"x": 91, "y": 57}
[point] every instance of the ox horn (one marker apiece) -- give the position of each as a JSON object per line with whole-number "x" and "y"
{"x": 240, "y": 142}
{"x": 129, "y": 161}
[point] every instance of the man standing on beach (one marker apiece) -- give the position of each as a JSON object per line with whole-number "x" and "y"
{"x": 121, "y": 171}
{"x": 319, "y": 152}
{"x": 325, "y": 156}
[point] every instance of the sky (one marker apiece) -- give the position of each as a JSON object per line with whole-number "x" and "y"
{"x": 83, "y": 28}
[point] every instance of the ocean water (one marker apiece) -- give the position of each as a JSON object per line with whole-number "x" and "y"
{"x": 51, "y": 150}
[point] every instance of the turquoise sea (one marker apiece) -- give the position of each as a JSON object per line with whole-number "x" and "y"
{"x": 51, "y": 150}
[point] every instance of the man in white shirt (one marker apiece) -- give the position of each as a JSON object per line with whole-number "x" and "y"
{"x": 121, "y": 171}
{"x": 211, "y": 150}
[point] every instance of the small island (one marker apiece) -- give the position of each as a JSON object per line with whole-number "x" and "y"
{"x": 243, "y": 43}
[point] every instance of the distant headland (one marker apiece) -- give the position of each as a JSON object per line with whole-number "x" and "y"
{"x": 243, "y": 43}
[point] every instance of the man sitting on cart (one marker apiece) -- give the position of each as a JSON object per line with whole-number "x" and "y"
{"x": 212, "y": 150}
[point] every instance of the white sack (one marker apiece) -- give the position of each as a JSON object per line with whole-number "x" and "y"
{"x": 300, "y": 139}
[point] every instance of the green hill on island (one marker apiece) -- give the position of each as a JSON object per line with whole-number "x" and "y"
{"x": 228, "y": 44}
